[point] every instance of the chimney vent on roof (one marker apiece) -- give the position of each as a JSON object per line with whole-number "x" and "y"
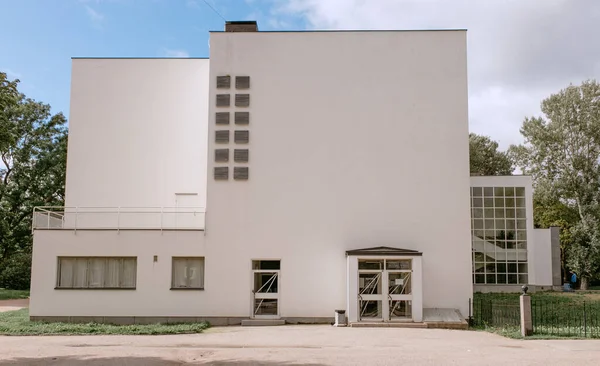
{"x": 241, "y": 26}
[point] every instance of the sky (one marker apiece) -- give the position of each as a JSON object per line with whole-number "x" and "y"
{"x": 519, "y": 51}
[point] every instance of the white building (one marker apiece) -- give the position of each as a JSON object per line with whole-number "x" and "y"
{"x": 293, "y": 174}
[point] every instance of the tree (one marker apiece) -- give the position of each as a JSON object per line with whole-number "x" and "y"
{"x": 486, "y": 159}
{"x": 562, "y": 153}
{"x": 32, "y": 167}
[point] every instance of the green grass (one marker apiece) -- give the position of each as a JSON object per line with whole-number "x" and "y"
{"x": 13, "y": 294}
{"x": 17, "y": 323}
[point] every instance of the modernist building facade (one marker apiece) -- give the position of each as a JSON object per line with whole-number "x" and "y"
{"x": 291, "y": 175}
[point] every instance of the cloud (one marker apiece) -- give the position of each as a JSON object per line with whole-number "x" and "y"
{"x": 176, "y": 53}
{"x": 96, "y": 17}
{"x": 519, "y": 52}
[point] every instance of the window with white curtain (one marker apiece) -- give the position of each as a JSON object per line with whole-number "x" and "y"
{"x": 188, "y": 273}
{"x": 97, "y": 272}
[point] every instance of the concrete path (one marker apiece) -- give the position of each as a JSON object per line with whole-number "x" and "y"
{"x": 8, "y": 305}
{"x": 298, "y": 345}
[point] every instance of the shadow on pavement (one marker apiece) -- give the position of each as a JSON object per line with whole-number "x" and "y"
{"x": 138, "y": 361}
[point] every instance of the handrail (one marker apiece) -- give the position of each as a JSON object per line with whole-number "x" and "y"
{"x": 80, "y": 217}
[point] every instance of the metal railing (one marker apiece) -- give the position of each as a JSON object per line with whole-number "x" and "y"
{"x": 495, "y": 312}
{"x": 570, "y": 319}
{"x": 118, "y": 218}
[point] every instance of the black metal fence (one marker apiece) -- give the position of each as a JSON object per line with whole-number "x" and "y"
{"x": 550, "y": 317}
{"x": 498, "y": 313}
{"x": 570, "y": 319}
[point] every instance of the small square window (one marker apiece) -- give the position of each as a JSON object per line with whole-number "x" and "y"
{"x": 188, "y": 273}
{"x": 241, "y": 155}
{"x": 222, "y": 136}
{"x": 509, "y": 191}
{"x": 477, "y": 192}
{"x": 221, "y": 155}
{"x": 240, "y": 173}
{"x": 223, "y": 100}
{"x": 242, "y": 100}
{"x": 242, "y": 82}
{"x": 221, "y": 173}
{"x": 477, "y": 202}
{"x": 242, "y": 118}
{"x": 520, "y": 191}
{"x": 222, "y": 118}
{"x": 223, "y": 82}
{"x": 242, "y": 137}
{"x": 499, "y": 191}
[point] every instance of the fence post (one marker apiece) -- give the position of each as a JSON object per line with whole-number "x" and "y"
{"x": 584, "y": 321}
{"x": 526, "y": 323}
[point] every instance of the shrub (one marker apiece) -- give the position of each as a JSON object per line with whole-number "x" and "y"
{"x": 15, "y": 272}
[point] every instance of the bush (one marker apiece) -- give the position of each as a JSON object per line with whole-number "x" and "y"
{"x": 15, "y": 272}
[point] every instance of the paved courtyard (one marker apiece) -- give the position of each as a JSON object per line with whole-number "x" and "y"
{"x": 299, "y": 345}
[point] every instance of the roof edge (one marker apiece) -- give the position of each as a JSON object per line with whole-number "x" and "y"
{"x": 354, "y": 30}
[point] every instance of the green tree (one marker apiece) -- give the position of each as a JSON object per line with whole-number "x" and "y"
{"x": 562, "y": 153}
{"x": 486, "y": 159}
{"x": 32, "y": 170}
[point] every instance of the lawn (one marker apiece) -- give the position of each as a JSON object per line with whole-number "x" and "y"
{"x": 13, "y": 294}
{"x": 17, "y": 323}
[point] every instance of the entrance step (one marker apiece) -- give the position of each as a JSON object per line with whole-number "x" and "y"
{"x": 388, "y": 325}
{"x": 444, "y": 318}
{"x": 262, "y": 322}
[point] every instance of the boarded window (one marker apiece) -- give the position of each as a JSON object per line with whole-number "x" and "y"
{"x": 241, "y": 155}
{"x": 96, "y": 272}
{"x": 223, "y": 100}
{"x": 242, "y": 82}
{"x": 242, "y": 100}
{"x": 221, "y": 155}
{"x": 240, "y": 173}
{"x": 223, "y": 82}
{"x": 222, "y": 136}
{"x": 222, "y": 118}
{"x": 188, "y": 273}
{"x": 242, "y": 118}
{"x": 221, "y": 173}
{"x": 242, "y": 137}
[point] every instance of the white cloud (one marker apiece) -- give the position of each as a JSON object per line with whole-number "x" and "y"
{"x": 95, "y": 16}
{"x": 176, "y": 53}
{"x": 519, "y": 51}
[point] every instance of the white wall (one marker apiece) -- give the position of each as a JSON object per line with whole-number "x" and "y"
{"x": 358, "y": 139}
{"x": 542, "y": 262}
{"x": 137, "y": 132}
{"x": 152, "y": 297}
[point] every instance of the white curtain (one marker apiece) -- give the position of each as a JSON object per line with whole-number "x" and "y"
{"x": 80, "y": 273}
{"x": 66, "y": 272}
{"x": 96, "y": 272}
{"x": 188, "y": 273}
{"x": 128, "y": 278}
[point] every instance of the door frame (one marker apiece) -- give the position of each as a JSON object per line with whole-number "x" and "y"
{"x": 275, "y": 296}
{"x": 352, "y": 302}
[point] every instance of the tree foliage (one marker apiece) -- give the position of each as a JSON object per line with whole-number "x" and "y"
{"x": 562, "y": 153}
{"x": 486, "y": 159}
{"x": 32, "y": 167}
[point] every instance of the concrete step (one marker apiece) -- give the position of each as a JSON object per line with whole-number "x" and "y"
{"x": 262, "y": 322}
{"x": 388, "y": 325}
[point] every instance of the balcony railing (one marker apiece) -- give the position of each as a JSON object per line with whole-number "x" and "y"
{"x": 118, "y": 218}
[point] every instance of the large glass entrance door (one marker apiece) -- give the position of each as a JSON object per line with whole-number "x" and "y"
{"x": 384, "y": 289}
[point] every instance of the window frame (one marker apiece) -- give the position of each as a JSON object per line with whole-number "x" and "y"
{"x": 203, "y": 272}
{"x": 89, "y": 259}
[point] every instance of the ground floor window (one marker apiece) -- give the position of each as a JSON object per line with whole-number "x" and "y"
{"x": 97, "y": 272}
{"x": 188, "y": 273}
